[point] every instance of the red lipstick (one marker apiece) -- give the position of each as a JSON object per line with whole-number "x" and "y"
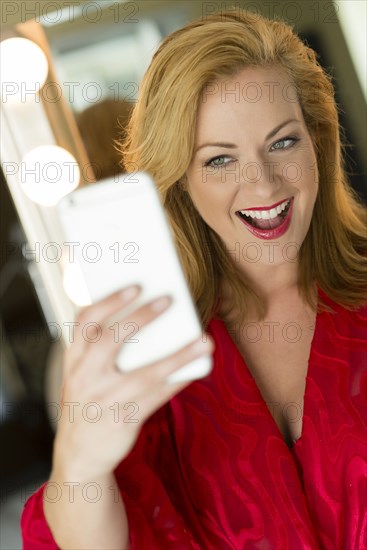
{"x": 266, "y": 207}
{"x": 272, "y": 232}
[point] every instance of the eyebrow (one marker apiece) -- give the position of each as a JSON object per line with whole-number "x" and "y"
{"x": 233, "y": 145}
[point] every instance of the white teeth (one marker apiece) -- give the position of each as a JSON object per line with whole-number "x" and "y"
{"x": 266, "y": 214}
{"x": 273, "y": 213}
{"x": 250, "y": 213}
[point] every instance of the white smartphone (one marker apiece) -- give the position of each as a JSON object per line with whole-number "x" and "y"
{"x": 123, "y": 238}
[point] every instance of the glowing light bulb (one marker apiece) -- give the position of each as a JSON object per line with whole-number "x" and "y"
{"x": 24, "y": 69}
{"x": 47, "y": 173}
{"x": 75, "y": 286}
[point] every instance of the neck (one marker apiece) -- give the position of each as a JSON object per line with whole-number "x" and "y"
{"x": 275, "y": 285}
{"x": 272, "y": 283}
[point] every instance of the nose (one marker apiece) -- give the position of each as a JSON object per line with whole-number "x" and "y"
{"x": 262, "y": 176}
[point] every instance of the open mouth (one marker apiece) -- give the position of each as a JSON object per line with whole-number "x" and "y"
{"x": 268, "y": 218}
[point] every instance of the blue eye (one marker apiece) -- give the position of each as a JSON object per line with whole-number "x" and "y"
{"x": 280, "y": 144}
{"x": 217, "y": 161}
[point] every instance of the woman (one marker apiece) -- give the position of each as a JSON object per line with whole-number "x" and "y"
{"x": 237, "y": 123}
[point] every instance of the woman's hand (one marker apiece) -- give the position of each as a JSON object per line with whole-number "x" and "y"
{"x": 103, "y": 408}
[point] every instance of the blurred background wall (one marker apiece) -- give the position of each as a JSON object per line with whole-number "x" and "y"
{"x": 100, "y": 51}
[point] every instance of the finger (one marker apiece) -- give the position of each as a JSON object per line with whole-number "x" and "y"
{"x": 157, "y": 395}
{"x": 102, "y": 353}
{"x": 154, "y": 400}
{"x": 90, "y": 318}
{"x": 141, "y": 382}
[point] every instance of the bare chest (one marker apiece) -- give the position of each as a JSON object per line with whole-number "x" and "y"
{"x": 276, "y": 354}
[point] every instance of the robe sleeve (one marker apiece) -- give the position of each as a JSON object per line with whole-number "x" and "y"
{"x": 142, "y": 477}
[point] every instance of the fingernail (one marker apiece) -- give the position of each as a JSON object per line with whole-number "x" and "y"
{"x": 161, "y": 303}
{"x": 130, "y": 292}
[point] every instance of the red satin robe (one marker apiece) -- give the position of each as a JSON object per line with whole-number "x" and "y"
{"x": 211, "y": 470}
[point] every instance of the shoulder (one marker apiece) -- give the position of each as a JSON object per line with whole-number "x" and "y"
{"x": 343, "y": 324}
{"x": 342, "y": 311}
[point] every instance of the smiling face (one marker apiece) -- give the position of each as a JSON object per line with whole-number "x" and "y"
{"x": 253, "y": 176}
